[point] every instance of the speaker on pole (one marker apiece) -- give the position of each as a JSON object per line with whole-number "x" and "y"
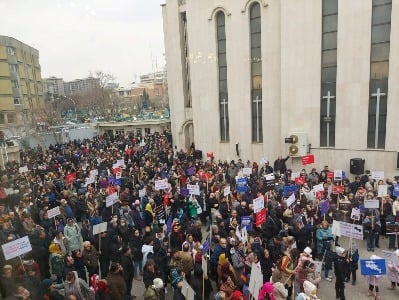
{"x": 357, "y": 166}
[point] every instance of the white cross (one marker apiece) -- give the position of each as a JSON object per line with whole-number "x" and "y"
{"x": 224, "y": 103}
{"x": 377, "y": 114}
{"x": 328, "y": 97}
{"x": 257, "y": 101}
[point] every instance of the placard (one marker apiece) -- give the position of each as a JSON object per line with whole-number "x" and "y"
{"x": 255, "y": 281}
{"x": 371, "y": 203}
{"x": 259, "y": 204}
{"x": 193, "y": 189}
{"x": 187, "y": 291}
{"x": 121, "y": 163}
{"x": 16, "y": 248}
{"x": 355, "y": 214}
{"x": 337, "y": 174}
{"x": 23, "y": 169}
{"x": 246, "y": 222}
{"x": 377, "y": 175}
{"x": 335, "y": 228}
{"x": 270, "y": 176}
{"x": 295, "y": 175}
{"x": 390, "y": 257}
{"x": 338, "y": 189}
{"x": 247, "y": 171}
{"x": 94, "y": 172}
{"x": 318, "y": 188}
{"x": 226, "y": 191}
{"x": 382, "y": 190}
{"x": 351, "y": 230}
{"x": 242, "y": 185}
{"x": 111, "y": 199}
{"x": 260, "y": 217}
{"x": 291, "y": 200}
{"x": 307, "y": 159}
{"x": 98, "y": 228}
{"x": 161, "y": 184}
{"x": 318, "y": 266}
{"x": 204, "y": 265}
{"x": 52, "y": 213}
{"x": 373, "y": 267}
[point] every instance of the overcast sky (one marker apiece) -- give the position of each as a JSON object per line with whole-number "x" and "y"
{"x": 120, "y": 37}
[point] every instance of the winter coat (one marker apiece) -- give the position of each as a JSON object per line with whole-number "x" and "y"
{"x": 323, "y": 235}
{"x": 117, "y": 286}
{"x": 72, "y": 234}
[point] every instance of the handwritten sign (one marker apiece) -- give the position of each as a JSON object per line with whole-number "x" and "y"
{"x": 378, "y": 175}
{"x": 193, "y": 189}
{"x": 16, "y": 248}
{"x": 187, "y": 290}
{"x": 351, "y": 230}
{"x": 259, "y": 204}
{"x": 371, "y": 203}
{"x": 111, "y": 199}
{"x": 255, "y": 281}
{"x": 52, "y": 213}
{"x": 226, "y": 191}
{"x": 382, "y": 190}
{"x": 247, "y": 171}
{"x": 161, "y": 184}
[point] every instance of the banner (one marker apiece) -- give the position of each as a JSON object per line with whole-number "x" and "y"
{"x": 111, "y": 199}
{"x": 193, "y": 189}
{"x": 52, "y": 213}
{"x": 246, "y": 222}
{"x": 16, "y": 248}
{"x": 260, "y": 217}
{"x": 259, "y": 204}
{"x": 351, "y": 230}
{"x": 373, "y": 267}
{"x": 307, "y": 159}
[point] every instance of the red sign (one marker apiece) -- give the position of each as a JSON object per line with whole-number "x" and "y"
{"x": 308, "y": 159}
{"x": 70, "y": 178}
{"x": 206, "y": 176}
{"x": 209, "y": 154}
{"x": 338, "y": 189}
{"x": 300, "y": 180}
{"x": 260, "y": 217}
{"x": 330, "y": 175}
{"x": 319, "y": 194}
{"x": 117, "y": 170}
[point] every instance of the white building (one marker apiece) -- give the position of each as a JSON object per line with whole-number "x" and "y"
{"x": 249, "y": 73}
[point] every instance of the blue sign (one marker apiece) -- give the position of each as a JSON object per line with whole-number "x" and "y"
{"x": 373, "y": 267}
{"x": 289, "y": 188}
{"x": 396, "y": 190}
{"x": 361, "y": 208}
{"x": 206, "y": 246}
{"x": 324, "y": 207}
{"x": 246, "y": 222}
{"x": 184, "y": 192}
{"x": 242, "y": 185}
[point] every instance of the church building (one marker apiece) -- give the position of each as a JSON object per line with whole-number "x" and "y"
{"x": 256, "y": 79}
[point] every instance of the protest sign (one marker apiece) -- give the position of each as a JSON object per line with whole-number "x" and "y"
{"x": 355, "y": 214}
{"x": 307, "y": 159}
{"x": 289, "y": 188}
{"x": 111, "y": 199}
{"x": 371, "y": 203}
{"x": 187, "y": 291}
{"x": 338, "y": 189}
{"x": 390, "y": 257}
{"x": 259, "y": 204}
{"x": 295, "y": 175}
{"x": 204, "y": 265}
{"x": 382, "y": 190}
{"x": 16, "y": 248}
{"x": 193, "y": 189}
{"x": 242, "y": 185}
{"x": 291, "y": 200}
{"x": 23, "y": 169}
{"x": 319, "y": 188}
{"x": 190, "y": 171}
{"x": 246, "y": 222}
{"x": 226, "y": 191}
{"x": 99, "y": 228}
{"x": 324, "y": 207}
{"x": 247, "y": 171}
{"x": 94, "y": 172}
{"x": 300, "y": 180}
{"x": 161, "y": 184}
{"x": 337, "y": 174}
{"x": 373, "y": 267}
{"x": 335, "y": 228}
{"x": 318, "y": 266}
{"x": 255, "y": 281}
{"x": 269, "y": 176}
{"x": 260, "y": 217}
{"x": 184, "y": 192}
{"x": 269, "y": 185}
{"x": 121, "y": 163}
{"x": 396, "y": 190}
{"x": 377, "y": 175}
{"x": 351, "y": 230}
{"x": 52, "y": 213}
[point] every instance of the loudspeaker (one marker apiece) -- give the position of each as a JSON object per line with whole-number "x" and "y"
{"x": 397, "y": 161}
{"x": 357, "y": 166}
{"x": 237, "y": 151}
{"x": 198, "y": 154}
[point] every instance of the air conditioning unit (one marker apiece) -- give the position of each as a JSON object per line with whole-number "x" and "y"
{"x": 299, "y": 144}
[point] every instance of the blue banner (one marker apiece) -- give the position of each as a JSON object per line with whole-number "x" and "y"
{"x": 288, "y": 189}
{"x": 373, "y": 267}
{"x": 246, "y": 222}
{"x": 242, "y": 185}
{"x": 396, "y": 190}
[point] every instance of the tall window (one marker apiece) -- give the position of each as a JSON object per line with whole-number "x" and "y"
{"x": 186, "y": 64}
{"x": 328, "y": 72}
{"x": 256, "y": 72}
{"x": 222, "y": 70}
{"x": 379, "y": 72}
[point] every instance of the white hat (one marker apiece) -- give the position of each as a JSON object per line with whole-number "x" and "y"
{"x": 397, "y": 252}
{"x": 339, "y": 251}
{"x": 157, "y": 283}
{"x": 308, "y": 287}
{"x": 308, "y": 251}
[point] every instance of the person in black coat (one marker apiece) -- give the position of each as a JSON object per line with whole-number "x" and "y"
{"x": 271, "y": 227}
{"x": 340, "y": 265}
{"x": 128, "y": 269}
{"x": 40, "y": 251}
{"x": 266, "y": 264}
{"x": 197, "y": 283}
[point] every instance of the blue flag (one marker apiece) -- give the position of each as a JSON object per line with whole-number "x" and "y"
{"x": 206, "y": 246}
{"x": 324, "y": 207}
{"x": 289, "y": 188}
{"x": 373, "y": 266}
{"x": 169, "y": 224}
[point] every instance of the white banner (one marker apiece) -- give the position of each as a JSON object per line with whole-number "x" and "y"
{"x": 371, "y": 204}
{"x": 337, "y": 174}
{"x": 291, "y": 200}
{"x": 16, "y": 248}
{"x": 259, "y": 204}
{"x": 226, "y": 191}
{"x": 161, "y": 184}
{"x": 52, "y": 213}
{"x": 269, "y": 176}
{"x": 193, "y": 189}
{"x": 377, "y": 175}
{"x": 351, "y": 230}
{"x": 111, "y": 199}
{"x": 247, "y": 171}
{"x": 98, "y": 228}
{"x": 23, "y": 169}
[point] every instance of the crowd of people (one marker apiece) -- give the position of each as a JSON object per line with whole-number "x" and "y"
{"x": 172, "y": 235}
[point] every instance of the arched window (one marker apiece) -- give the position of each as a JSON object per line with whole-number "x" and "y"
{"x": 256, "y": 72}
{"x": 222, "y": 75}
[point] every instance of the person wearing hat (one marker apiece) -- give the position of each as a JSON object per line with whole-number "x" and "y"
{"x": 300, "y": 270}
{"x": 154, "y": 291}
{"x": 340, "y": 266}
{"x": 393, "y": 272}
